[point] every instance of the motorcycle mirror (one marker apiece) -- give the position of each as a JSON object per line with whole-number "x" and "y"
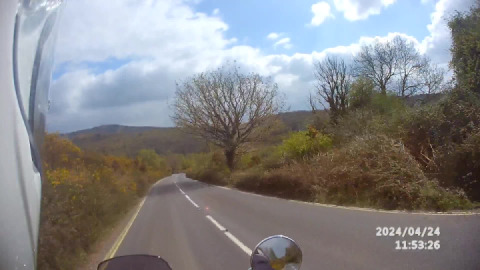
{"x": 134, "y": 262}
{"x": 276, "y": 252}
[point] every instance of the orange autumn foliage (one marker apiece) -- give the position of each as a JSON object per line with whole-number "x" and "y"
{"x": 82, "y": 194}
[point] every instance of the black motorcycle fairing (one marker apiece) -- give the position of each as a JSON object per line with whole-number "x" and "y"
{"x": 135, "y": 262}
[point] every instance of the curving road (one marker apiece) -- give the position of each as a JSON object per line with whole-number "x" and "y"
{"x": 196, "y": 226}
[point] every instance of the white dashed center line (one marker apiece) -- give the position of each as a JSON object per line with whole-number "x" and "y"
{"x": 230, "y": 235}
{"x": 219, "y": 226}
{"x": 194, "y": 204}
{"x": 186, "y": 196}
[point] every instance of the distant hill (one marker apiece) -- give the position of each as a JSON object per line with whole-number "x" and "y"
{"x": 296, "y": 120}
{"x": 111, "y": 129}
{"x": 128, "y": 140}
{"x": 424, "y": 99}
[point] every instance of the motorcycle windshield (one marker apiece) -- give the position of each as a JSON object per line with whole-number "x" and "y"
{"x": 134, "y": 262}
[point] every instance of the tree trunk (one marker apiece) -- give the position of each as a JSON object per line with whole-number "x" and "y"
{"x": 230, "y": 157}
{"x": 383, "y": 89}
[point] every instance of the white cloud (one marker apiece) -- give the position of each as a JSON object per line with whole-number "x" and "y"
{"x": 216, "y": 11}
{"x": 354, "y": 10}
{"x": 437, "y": 44}
{"x": 284, "y": 42}
{"x": 273, "y": 36}
{"x": 321, "y": 11}
{"x": 95, "y": 30}
{"x": 166, "y": 41}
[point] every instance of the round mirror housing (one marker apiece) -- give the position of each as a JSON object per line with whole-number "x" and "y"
{"x": 276, "y": 252}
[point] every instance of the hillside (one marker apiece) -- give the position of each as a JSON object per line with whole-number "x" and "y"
{"x": 128, "y": 140}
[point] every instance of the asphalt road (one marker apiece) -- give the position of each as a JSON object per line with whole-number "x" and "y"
{"x": 173, "y": 223}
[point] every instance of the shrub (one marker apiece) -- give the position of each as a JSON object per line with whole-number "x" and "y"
{"x": 288, "y": 182}
{"x": 249, "y": 160}
{"x": 459, "y": 165}
{"x": 304, "y": 144}
{"x": 443, "y": 139}
{"x": 207, "y": 167}
{"x": 82, "y": 194}
{"x": 247, "y": 179}
{"x": 377, "y": 171}
{"x": 372, "y": 171}
{"x": 362, "y": 93}
{"x": 388, "y": 105}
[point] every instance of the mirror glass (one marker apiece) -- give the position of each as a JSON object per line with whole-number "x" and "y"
{"x": 135, "y": 262}
{"x": 276, "y": 253}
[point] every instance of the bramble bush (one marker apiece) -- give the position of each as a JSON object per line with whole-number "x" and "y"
{"x": 443, "y": 139}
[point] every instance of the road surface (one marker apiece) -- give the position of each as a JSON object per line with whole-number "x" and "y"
{"x": 196, "y": 226}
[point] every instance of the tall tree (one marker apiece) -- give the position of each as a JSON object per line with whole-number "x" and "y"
{"x": 409, "y": 67}
{"x": 433, "y": 78}
{"x": 377, "y": 62}
{"x": 465, "y": 29}
{"x": 226, "y": 107}
{"x": 332, "y": 86}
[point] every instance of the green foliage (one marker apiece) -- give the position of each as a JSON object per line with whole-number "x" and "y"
{"x": 82, "y": 194}
{"x": 152, "y": 160}
{"x": 361, "y": 93}
{"x": 304, "y": 144}
{"x": 388, "y": 105}
{"x": 207, "y": 167}
{"x": 465, "y": 29}
{"x": 380, "y": 114}
{"x": 272, "y": 157}
{"x": 249, "y": 160}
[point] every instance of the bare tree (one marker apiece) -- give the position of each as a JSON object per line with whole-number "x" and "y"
{"x": 410, "y": 65}
{"x": 332, "y": 86}
{"x": 378, "y": 63}
{"x": 432, "y": 78}
{"x": 226, "y": 107}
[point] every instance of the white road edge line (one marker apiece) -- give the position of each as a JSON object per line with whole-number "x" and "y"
{"x": 353, "y": 208}
{"x": 230, "y": 236}
{"x": 194, "y": 204}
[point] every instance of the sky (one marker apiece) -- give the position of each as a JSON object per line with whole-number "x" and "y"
{"x": 117, "y": 61}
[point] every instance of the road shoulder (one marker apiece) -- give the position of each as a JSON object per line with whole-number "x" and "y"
{"x": 104, "y": 244}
